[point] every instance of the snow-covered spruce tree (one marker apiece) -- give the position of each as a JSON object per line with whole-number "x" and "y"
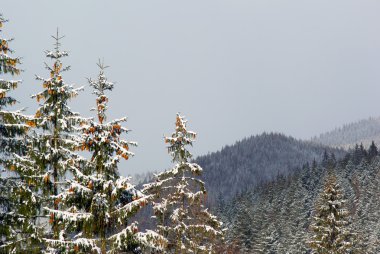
{"x": 51, "y": 146}
{"x": 372, "y": 151}
{"x": 242, "y": 229}
{"x": 330, "y": 226}
{"x": 365, "y": 184}
{"x": 18, "y": 233}
{"x": 99, "y": 201}
{"x": 178, "y": 196}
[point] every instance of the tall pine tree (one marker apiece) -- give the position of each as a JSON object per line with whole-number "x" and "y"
{"x": 99, "y": 202}
{"x": 51, "y": 145}
{"x": 18, "y": 202}
{"x": 178, "y": 202}
{"x": 330, "y": 226}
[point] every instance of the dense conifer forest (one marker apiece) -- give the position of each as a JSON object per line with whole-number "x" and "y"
{"x": 281, "y": 216}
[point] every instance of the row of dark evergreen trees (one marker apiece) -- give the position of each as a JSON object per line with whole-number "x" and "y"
{"x": 60, "y": 187}
{"x": 327, "y": 207}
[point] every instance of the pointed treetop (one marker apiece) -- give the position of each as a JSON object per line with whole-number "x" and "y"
{"x": 57, "y": 38}
{"x": 101, "y": 65}
{"x": 179, "y": 140}
{"x": 8, "y": 65}
{"x": 100, "y": 86}
{"x": 56, "y": 54}
{"x": 56, "y": 93}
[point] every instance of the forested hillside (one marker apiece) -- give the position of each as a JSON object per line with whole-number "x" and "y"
{"x": 364, "y": 131}
{"x": 276, "y": 217}
{"x": 255, "y": 160}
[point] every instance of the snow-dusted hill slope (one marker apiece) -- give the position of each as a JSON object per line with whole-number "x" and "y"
{"x": 256, "y": 160}
{"x": 364, "y": 131}
{"x": 276, "y": 217}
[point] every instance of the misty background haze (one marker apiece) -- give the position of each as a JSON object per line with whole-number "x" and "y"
{"x": 233, "y": 68}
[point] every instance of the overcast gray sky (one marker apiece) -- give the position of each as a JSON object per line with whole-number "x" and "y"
{"x": 234, "y": 68}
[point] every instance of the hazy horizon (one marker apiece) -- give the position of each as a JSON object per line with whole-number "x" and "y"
{"x": 233, "y": 68}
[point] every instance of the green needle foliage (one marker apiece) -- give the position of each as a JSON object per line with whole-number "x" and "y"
{"x": 18, "y": 202}
{"x": 178, "y": 196}
{"x": 99, "y": 202}
{"x": 331, "y": 232}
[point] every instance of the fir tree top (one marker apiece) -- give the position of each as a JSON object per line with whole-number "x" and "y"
{"x": 179, "y": 140}
{"x": 54, "y": 111}
{"x": 8, "y": 65}
{"x": 104, "y": 139}
{"x": 100, "y": 86}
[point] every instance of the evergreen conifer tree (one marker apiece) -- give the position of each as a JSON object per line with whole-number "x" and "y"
{"x": 18, "y": 202}
{"x": 179, "y": 193}
{"x": 330, "y": 226}
{"x": 99, "y": 202}
{"x": 50, "y": 152}
{"x": 244, "y": 230}
{"x": 325, "y": 159}
{"x": 372, "y": 151}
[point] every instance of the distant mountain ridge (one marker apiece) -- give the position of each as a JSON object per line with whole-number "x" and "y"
{"x": 363, "y": 131}
{"x": 255, "y": 160}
